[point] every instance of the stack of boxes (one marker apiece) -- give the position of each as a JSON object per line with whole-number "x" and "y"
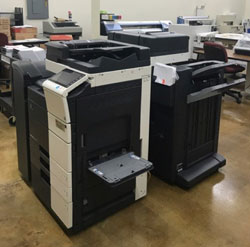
{"x": 5, "y": 27}
{"x": 22, "y": 32}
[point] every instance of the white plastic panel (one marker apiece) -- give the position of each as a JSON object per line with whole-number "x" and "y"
{"x": 60, "y": 151}
{"x": 59, "y": 128}
{"x": 145, "y": 115}
{"x": 118, "y": 76}
{"x": 57, "y": 105}
{"x": 60, "y": 173}
{"x": 64, "y": 191}
{"x": 141, "y": 186}
{"x": 62, "y": 209}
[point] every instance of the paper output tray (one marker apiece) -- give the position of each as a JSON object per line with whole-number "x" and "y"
{"x": 120, "y": 168}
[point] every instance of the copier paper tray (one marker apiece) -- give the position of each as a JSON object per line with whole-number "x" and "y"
{"x": 120, "y": 168}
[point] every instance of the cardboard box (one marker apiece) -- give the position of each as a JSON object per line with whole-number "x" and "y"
{"x": 23, "y": 30}
{"x": 4, "y": 27}
{"x": 20, "y": 33}
{"x": 22, "y": 36}
{"x": 5, "y": 21}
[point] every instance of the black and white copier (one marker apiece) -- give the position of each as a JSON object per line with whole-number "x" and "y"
{"x": 185, "y": 109}
{"x": 83, "y": 128}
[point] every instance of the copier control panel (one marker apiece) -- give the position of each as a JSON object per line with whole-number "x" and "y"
{"x": 57, "y": 88}
{"x": 65, "y": 81}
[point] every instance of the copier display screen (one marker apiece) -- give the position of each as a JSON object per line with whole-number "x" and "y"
{"x": 66, "y": 77}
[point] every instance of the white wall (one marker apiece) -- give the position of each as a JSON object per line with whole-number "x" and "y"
{"x": 247, "y": 9}
{"x": 81, "y": 11}
{"x": 131, "y": 9}
{"x": 170, "y": 9}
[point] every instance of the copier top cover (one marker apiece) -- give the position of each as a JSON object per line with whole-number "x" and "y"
{"x": 160, "y": 43}
{"x": 97, "y": 56}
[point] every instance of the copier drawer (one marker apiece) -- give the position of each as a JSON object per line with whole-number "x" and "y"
{"x": 40, "y": 175}
{"x": 38, "y": 155}
{"x": 40, "y": 184}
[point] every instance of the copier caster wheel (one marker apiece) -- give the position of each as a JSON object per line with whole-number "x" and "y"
{"x": 238, "y": 101}
{"x": 12, "y": 121}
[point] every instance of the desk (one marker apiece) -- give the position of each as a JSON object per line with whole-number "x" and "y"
{"x": 29, "y": 42}
{"x": 233, "y": 56}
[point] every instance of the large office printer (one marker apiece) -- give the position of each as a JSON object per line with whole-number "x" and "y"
{"x": 185, "y": 120}
{"x": 185, "y": 116}
{"x": 62, "y": 27}
{"x": 134, "y": 26}
{"x": 164, "y": 47}
{"x": 228, "y": 23}
{"x": 83, "y": 128}
{"x": 195, "y": 20}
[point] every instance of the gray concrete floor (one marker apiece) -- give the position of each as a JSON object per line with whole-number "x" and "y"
{"x": 215, "y": 213}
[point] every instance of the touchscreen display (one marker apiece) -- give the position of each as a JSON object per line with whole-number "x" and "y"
{"x": 66, "y": 77}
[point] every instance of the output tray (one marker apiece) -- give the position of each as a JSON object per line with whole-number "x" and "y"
{"x": 120, "y": 168}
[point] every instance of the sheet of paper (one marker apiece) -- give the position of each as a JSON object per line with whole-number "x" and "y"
{"x": 165, "y": 74}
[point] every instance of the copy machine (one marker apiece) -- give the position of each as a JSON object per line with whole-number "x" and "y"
{"x": 82, "y": 132}
{"x": 134, "y": 26}
{"x": 228, "y": 23}
{"x": 195, "y": 20}
{"x": 185, "y": 115}
{"x": 193, "y": 31}
{"x": 165, "y": 47}
{"x": 62, "y": 27}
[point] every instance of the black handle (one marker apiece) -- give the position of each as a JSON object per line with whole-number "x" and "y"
{"x": 207, "y": 62}
{"x": 211, "y": 69}
{"x": 213, "y": 91}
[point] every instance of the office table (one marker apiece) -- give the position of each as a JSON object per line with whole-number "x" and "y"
{"x": 29, "y": 42}
{"x": 233, "y": 56}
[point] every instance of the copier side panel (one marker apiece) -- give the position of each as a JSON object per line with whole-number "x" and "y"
{"x": 168, "y": 126}
{"x": 203, "y": 129}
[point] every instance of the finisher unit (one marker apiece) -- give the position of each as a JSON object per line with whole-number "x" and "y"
{"x": 87, "y": 129}
{"x": 184, "y": 125}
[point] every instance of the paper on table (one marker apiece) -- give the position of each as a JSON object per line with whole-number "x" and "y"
{"x": 165, "y": 74}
